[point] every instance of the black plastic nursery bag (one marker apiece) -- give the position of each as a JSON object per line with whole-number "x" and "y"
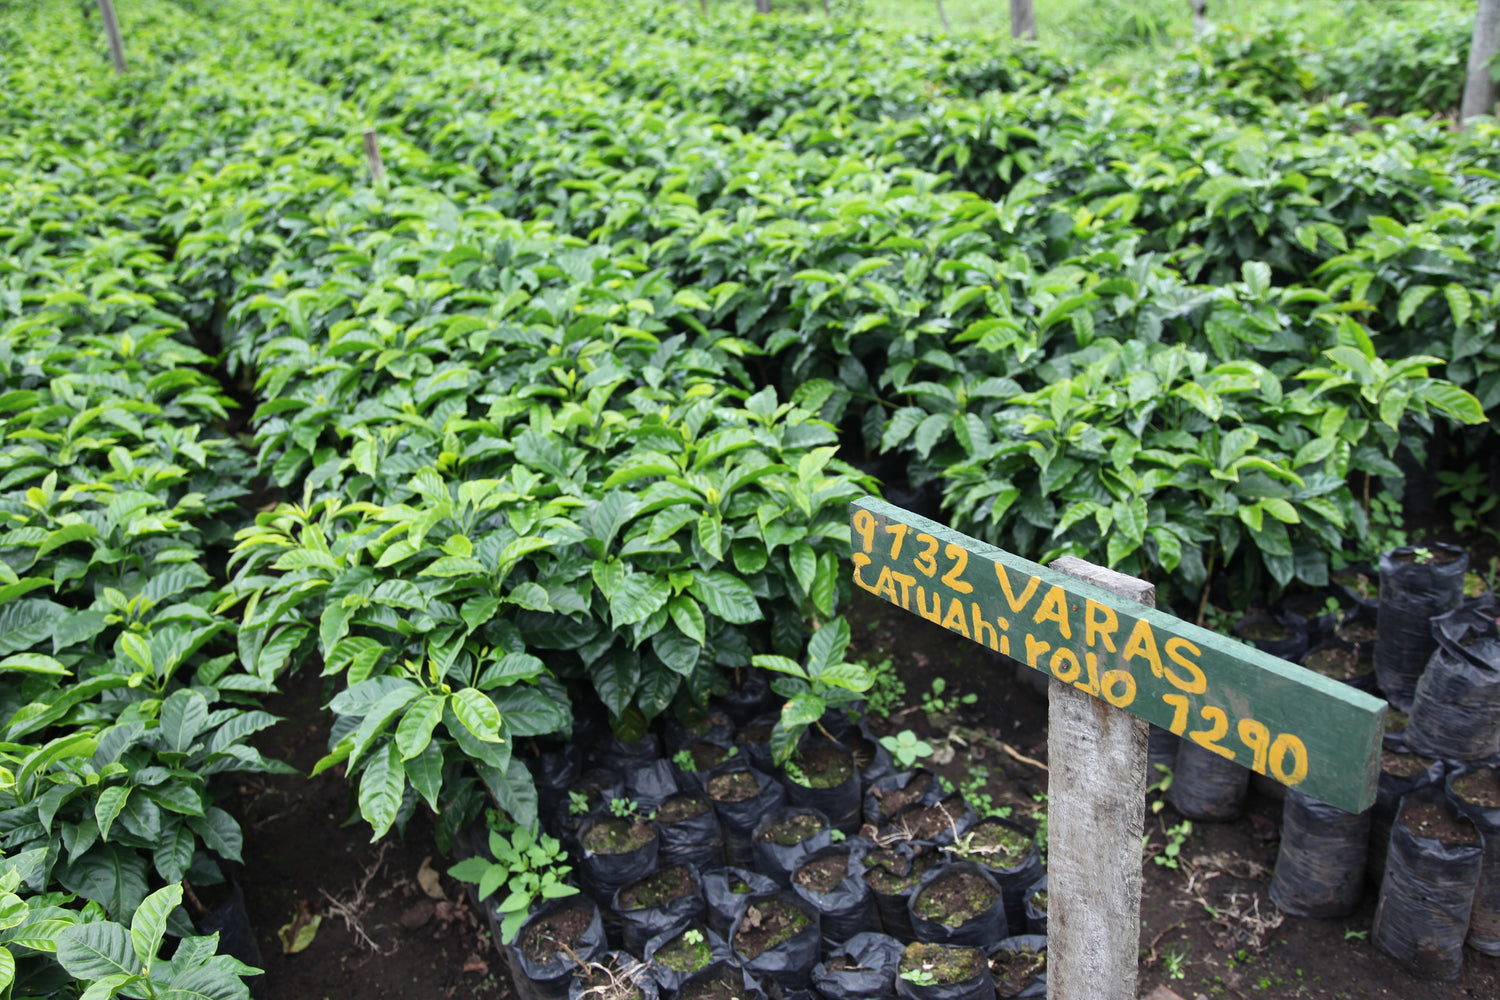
{"x": 862, "y": 968}
{"x": 1412, "y": 593}
{"x": 848, "y": 907}
{"x": 540, "y": 968}
{"x": 1320, "y": 869}
{"x": 935, "y": 918}
{"x": 726, "y": 891}
{"x": 1455, "y": 713}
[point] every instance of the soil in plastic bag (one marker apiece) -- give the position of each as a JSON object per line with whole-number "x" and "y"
{"x": 1339, "y": 661}
{"x": 833, "y": 881}
{"x": 1401, "y": 772}
{"x": 748, "y": 697}
{"x": 715, "y": 726}
{"x": 1009, "y": 853}
{"x": 721, "y": 981}
{"x": 614, "y": 976}
{"x": 695, "y": 760}
{"x": 1412, "y": 593}
{"x": 959, "y": 903}
{"x": 783, "y": 838}
{"x": 862, "y": 968}
{"x": 689, "y": 832}
{"x": 1431, "y": 873}
{"x": 683, "y": 951}
{"x": 616, "y": 852}
{"x": 727, "y": 891}
{"x": 893, "y": 874}
{"x": 594, "y": 790}
{"x": 1019, "y": 965}
{"x": 777, "y": 937}
{"x": 827, "y": 781}
{"x": 942, "y": 822}
{"x": 549, "y": 946}
{"x": 930, "y": 971}
{"x": 893, "y": 793}
{"x": 1320, "y": 869}
{"x": 1034, "y": 906}
{"x": 741, "y": 796}
{"x": 649, "y": 785}
{"x": 1455, "y": 713}
{"x": 667, "y": 898}
{"x": 1475, "y": 792}
{"x": 1205, "y": 786}
{"x": 1285, "y": 635}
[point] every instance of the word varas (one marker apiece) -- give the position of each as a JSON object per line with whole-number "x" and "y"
{"x": 1295, "y": 725}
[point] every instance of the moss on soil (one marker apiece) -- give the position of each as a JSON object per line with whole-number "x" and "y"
{"x": 994, "y": 845}
{"x": 682, "y": 955}
{"x": 793, "y": 831}
{"x": 766, "y": 925}
{"x": 951, "y": 900}
{"x": 735, "y": 786}
{"x": 614, "y": 835}
{"x": 944, "y": 963}
{"x": 657, "y": 888}
{"x": 891, "y": 875}
{"x": 825, "y": 767}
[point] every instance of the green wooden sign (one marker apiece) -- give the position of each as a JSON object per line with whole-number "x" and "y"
{"x": 1274, "y": 717}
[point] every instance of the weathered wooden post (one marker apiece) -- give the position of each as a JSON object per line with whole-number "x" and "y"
{"x": 372, "y": 156}
{"x": 943, "y": 16}
{"x": 1116, "y": 663}
{"x": 1096, "y": 814}
{"x": 112, "y": 32}
{"x": 1022, "y": 20}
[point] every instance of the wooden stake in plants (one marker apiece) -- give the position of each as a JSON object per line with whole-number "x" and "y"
{"x": 372, "y": 156}
{"x": 763, "y": 6}
{"x": 1200, "y": 18}
{"x": 112, "y": 30}
{"x": 1022, "y": 20}
{"x": 943, "y": 16}
{"x": 1115, "y": 663}
{"x": 1096, "y": 812}
{"x": 1479, "y": 85}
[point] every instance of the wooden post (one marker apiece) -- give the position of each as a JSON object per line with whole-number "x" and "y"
{"x": 1096, "y": 809}
{"x": 372, "y": 156}
{"x": 1200, "y": 18}
{"x": 1479, "y": 86}
{"x": 763, "y": 6}
{"x": 943, "y": 16}
{"x": 112, "y": 30}
{"x": 1022, "y": 20}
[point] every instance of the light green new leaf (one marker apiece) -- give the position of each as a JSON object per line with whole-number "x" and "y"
{"x": 149, "y": 925}
{"x": 477, "y": 713}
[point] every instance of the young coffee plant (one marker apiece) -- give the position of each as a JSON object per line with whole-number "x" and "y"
{"x": 825, "y": 681}
{"x": 530, "y": 867}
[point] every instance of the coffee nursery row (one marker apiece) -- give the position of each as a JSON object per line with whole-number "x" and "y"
{"x": 558, "y": 418}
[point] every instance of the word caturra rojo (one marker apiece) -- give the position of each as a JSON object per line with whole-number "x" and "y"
{"x": 1278, "y": 719}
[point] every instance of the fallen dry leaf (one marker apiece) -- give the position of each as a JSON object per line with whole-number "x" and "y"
{"x": 298, "y": 934}
{"x": 430, "y": 881}
{"x": 476, "y": 964}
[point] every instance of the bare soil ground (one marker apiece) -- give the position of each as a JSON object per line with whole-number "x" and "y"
{"x": 1209, "y": 927}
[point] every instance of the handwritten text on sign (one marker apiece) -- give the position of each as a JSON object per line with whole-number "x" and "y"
{"x": 1293, "y": 724}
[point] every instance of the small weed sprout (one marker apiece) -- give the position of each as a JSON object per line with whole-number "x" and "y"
{"x": 906, "y": 747}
